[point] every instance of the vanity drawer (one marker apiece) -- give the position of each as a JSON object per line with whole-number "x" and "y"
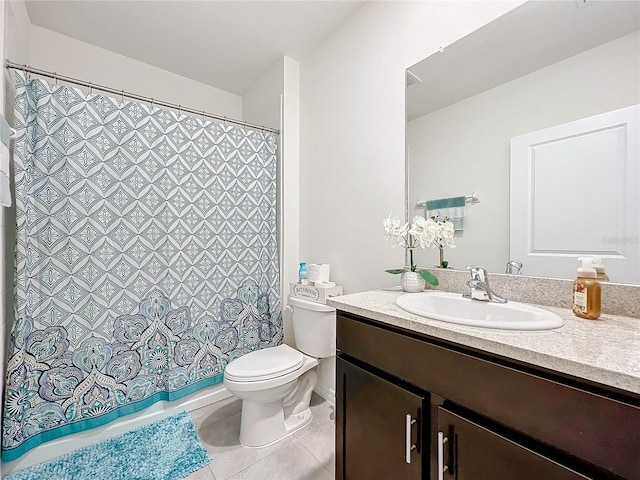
{"x": 601, "y": 430}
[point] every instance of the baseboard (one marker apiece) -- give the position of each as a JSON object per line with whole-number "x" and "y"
{"x": 157, "y": 411}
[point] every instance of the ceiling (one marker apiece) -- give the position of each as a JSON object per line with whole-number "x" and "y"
{"x": 524, "y": 40}
{"x": 224, "y": 44}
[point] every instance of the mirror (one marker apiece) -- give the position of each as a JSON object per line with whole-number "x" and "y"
{"x": 540, "y": 66}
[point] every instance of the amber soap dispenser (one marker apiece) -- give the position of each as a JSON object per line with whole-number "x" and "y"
{"x": 586, "y": 291}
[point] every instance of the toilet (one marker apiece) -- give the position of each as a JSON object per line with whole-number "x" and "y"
{"x": 275, "y": 383}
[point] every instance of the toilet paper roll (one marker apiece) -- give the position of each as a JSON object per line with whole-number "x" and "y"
{"x": 318, "y": 272}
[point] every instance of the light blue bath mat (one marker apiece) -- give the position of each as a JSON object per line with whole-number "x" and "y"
{"x": 168, "y": 449}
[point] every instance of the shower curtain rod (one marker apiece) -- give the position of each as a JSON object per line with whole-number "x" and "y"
{"x": 92, "y": 86}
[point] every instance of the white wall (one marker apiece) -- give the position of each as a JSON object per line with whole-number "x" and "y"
{"x": 261, "y": 102}
{"x": 15, "y": 46}
{"x": 290, "y": 185}
{"x": 353, "y": 130}
{"x": 465, "y": 146}
{"x": 274, "y": 101}
{"x": 280, "y": 87}
{"x": 70, "y": 57}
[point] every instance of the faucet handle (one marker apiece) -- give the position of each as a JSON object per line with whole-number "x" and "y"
{"x": 513, "y": 267}
{"x": 477, "y": 272}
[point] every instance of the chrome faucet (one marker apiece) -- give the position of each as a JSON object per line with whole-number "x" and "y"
{"x": 479, "y": 288}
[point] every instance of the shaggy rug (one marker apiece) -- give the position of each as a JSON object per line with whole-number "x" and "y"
{"x": 168, "y": 449}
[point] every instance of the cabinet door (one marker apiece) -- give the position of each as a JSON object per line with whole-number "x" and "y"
{"x": 378, "y": 424}
{"x": 468, "y": 451}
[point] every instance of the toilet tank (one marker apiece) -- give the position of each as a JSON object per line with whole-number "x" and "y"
{"x": 314, "y": 327}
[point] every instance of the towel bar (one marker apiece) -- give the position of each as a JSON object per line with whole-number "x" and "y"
{"x": 469, "y": 199}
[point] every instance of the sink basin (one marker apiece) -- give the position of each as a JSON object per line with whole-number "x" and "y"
{"x": 453, "y": 308}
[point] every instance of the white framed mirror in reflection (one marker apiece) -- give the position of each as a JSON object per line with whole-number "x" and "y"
{"x": 513, "y": 113}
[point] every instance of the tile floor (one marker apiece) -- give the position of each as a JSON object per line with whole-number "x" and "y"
{"x": 307, "y": 454}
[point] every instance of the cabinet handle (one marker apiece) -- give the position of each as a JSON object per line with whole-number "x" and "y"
{"x": 441, "y": 466}
{"x": 409, "y": 447}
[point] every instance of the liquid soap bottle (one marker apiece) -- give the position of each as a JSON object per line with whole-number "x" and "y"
{"x": 586, "y": 291}
{"x": 601, "y": 274}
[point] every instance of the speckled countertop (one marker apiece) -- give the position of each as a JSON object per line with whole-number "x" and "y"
{"x": 605, "y": 351}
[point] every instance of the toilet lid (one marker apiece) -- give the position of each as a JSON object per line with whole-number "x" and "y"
{"x": 264, "y": 364}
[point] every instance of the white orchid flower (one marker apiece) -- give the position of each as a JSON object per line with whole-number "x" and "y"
{"x": 420, "y": 232}
{"x": 396, "y": 230}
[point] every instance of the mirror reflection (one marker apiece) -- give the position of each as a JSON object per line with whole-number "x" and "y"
{"x": 535, "y": 116}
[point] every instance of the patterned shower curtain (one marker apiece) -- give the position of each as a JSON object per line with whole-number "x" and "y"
{"x": 146, "y": 258}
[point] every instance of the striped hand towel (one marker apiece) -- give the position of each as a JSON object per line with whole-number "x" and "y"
{"x": 452, "y": 208}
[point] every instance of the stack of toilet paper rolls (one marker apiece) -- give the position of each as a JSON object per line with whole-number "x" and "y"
{"x": 318, "y": 274}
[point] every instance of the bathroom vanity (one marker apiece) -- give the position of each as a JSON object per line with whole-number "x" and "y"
{"x": 417, "y": 398}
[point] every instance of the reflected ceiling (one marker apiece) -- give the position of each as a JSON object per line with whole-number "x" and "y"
{"x": 479, "y": 62}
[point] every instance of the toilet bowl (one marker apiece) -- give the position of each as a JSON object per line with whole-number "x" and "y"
{"x": 275, "y": 384}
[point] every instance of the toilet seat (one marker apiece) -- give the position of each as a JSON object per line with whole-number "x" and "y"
{"x": 265, "y": 364}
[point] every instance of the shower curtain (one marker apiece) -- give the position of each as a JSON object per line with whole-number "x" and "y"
{"x": 146, "y": 258}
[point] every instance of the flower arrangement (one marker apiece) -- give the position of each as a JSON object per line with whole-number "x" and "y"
{"x": 420, "y": 232}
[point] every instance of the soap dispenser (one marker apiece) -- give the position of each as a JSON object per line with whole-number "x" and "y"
{"x": 601, "y": 275}
{"x": 586, "y": 291}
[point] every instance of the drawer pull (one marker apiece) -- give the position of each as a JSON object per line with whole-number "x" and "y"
{"x": 409, "y": 447}
{"x": 441, "y": 466}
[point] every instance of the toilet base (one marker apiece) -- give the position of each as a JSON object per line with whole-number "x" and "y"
{"x": 299, "y": 421}
{"x": 270, "y": 433}
{"x": 264, "y": 423}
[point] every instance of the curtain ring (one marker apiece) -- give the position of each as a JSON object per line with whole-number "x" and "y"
{"x": 179, "y": 111}
{"x": 203, "y": 117}
{"x": 55, "y": 77}
{"x": 90, "y": 88}
{"x": 122, "y": 97}
{"x": 151, "y": 103}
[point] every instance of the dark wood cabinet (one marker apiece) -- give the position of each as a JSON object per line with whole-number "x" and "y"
{"x": 380, "y": 427}
{"x": 502, "y": 419}
{"x": 469, "y": 451}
